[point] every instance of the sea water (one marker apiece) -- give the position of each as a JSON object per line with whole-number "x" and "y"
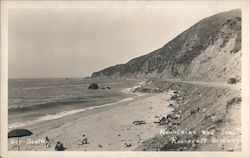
{"x": 36, "y": 100}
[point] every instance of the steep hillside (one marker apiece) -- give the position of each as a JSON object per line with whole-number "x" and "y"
{"x": 211, "y": 115}
{"x": 208, "y": 50}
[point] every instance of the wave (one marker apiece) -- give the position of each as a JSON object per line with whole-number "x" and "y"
{"x": 131, "y": 89}
{"x": 49, "y": 87}
{"x": 56, "y": 102}
{"x": 62, "y": 114}
{"x": 43, "y": 106}
{"x": 33, "y": 88}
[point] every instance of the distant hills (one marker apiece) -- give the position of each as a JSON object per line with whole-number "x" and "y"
{"x": 209, "y": 50}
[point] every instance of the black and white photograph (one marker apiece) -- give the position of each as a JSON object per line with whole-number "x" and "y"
{"x": 148, "y": 77}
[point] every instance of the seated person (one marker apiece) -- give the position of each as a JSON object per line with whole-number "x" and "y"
{"x": 83, "y": 140}
{"x": 59, "y": 146}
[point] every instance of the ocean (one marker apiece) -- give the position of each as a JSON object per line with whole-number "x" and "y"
{"x": 32, "y": 101}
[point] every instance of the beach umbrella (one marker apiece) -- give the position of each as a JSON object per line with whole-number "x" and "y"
{"x": 19, "y": 133}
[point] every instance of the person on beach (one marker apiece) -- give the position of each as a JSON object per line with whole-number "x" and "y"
{"x": 47, "y": 142}
{"x": 83, "y": 140}
{"x": 59, "y": 146}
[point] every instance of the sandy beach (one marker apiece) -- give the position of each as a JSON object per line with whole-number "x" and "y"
{"x": 108, "y": 128}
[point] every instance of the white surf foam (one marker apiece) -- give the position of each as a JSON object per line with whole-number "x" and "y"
{"x": 62, "y": 114}
{"x": 131, "y": 89}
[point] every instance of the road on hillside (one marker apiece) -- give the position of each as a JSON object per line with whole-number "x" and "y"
{"x": 208, "y": 84}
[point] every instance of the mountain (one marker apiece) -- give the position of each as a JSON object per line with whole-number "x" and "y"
{"x": 209, "y": 50}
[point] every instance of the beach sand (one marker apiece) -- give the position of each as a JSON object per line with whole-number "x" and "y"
{"x": 108, "y": 128}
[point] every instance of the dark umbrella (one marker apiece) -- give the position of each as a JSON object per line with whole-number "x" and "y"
{"x": 19, "y": 133}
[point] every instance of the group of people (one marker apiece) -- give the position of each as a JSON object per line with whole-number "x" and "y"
{"x": 59, "y": 146}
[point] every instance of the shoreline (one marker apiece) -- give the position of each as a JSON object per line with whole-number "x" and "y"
{"x": 107, "y": 128}
{"x": 64, "y": 113}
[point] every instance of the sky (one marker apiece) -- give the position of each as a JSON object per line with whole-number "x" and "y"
{"x": 76, "y": 40}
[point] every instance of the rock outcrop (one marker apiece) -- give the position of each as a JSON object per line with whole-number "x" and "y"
{"x": 200, "y": 115}
{"x": 93, "y": 86}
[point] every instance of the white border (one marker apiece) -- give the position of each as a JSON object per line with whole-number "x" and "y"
{"x": 5, "y": 5}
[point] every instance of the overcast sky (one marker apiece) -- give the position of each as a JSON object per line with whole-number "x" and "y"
{"x": 74, "y": 42}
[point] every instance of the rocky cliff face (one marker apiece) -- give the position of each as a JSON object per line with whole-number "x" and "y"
{"x": 208, "y": 50}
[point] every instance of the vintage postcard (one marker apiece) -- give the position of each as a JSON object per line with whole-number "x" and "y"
{"x": 125, "y": 78}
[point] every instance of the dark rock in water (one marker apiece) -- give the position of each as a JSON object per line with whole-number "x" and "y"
{"x": 108, "y": 88}
{"x": 93, "y": 86}
{"x": 102, "y": 88}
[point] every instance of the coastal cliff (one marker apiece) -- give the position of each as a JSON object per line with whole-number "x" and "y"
{"x": 210, "y": 50}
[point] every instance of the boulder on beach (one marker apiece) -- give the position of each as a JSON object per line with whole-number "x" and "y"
{"x": 93, "y": 86}
{"x": 139, "y": 122}
{"x": 232, "y": 81}
{"x": 128, "y": 145}
{"x": 100, "y": 146}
